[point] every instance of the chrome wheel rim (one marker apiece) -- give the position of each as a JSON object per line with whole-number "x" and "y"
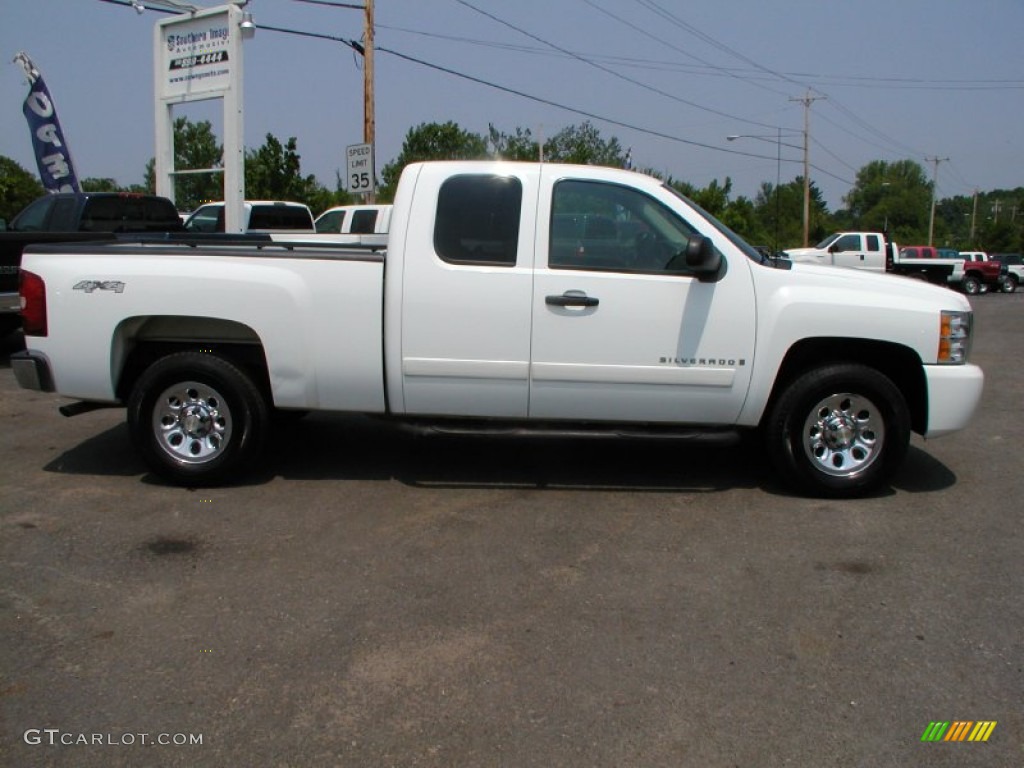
{"x": 192, "y": 422}
{"x": 843, "y": 434}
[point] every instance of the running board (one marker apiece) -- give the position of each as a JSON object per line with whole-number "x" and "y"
{"x": 76, "y": 409}
{"x": 714, "y": 435}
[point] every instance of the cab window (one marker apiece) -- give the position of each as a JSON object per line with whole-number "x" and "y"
{"x": 847, "y": 243}
{"x": 601, "y": 226}
{"x": 477, "y": 220}
{"x": 330, "y": 221}
{"x": 206, "y": 219}
{"x": 33, "y": 218}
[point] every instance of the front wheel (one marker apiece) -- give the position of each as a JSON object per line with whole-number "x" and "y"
{"x": 197, "y": 419}
{"x": 971, "y": 285}
{"x": 837, "y": 431}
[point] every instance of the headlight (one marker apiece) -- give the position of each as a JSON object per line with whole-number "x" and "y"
{"x": 954, "y": 337}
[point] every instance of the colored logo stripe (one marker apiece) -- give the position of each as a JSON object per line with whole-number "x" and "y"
{"x": 958, "y": 730}
{"x": 982, "y": 731}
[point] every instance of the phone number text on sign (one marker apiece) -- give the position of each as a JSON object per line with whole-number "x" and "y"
{"x": 196, "y": 61}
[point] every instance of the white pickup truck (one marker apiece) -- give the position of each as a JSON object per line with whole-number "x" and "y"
{"x": 542, "y": 298}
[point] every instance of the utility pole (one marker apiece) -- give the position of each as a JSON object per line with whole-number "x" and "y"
{"x": 997, "y": 206}
{"x": 974, "y": 217}
{"x": 807, "y": 100}
{"x": 369, "y": 118}
{"x": 935, "y": 176}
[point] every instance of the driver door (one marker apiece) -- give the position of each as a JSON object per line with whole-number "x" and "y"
{"x": 620, "y": 330}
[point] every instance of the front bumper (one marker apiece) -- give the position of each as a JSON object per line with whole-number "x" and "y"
{"x": 954, "y": 392}
{"x": 32, "y": 371}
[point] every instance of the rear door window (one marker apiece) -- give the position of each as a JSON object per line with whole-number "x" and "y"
{"x": 363, "y": 222}
{"x": 477, "y": 220}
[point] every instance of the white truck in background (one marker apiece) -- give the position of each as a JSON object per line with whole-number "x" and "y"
{"x": 542, "y": 299}
{"x": 873, "y": 251}
{"x": 859, "y": 250}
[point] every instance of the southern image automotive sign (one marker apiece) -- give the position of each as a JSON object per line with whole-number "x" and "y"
{"x": 196, "y": 55}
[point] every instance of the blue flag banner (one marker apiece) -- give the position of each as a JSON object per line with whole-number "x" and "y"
{"x": 52, "y": 155}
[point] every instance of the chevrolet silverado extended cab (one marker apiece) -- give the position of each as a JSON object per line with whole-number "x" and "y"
{"x": 538, "y": 298}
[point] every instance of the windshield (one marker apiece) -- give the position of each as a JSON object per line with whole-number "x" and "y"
{"x": 748, "y": 250}
{"x": 824, "y": 244}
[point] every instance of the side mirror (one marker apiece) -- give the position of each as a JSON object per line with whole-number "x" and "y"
{"x": 701, "y": 257}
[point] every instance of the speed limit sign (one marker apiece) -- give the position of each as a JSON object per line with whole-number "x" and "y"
{"x": 359, "y": 168}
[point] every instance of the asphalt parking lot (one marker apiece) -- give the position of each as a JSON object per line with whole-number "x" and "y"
{"x": 381, "y": 600}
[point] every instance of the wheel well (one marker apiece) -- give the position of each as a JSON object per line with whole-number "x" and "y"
{"x": 900, "y": 364}
{"x": 141, "y": 341}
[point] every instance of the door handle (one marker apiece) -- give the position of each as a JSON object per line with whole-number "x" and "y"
{"x": 571, "y": 299}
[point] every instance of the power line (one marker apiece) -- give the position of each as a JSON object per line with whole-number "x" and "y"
{"x": 567, "y": 108}
{"x": 612, "y": 72}
{"x": 717, "y": 70}
{"x": 333, "y": 4}
{"x": 706, "y": 38}
{"x": 707, "y": 69}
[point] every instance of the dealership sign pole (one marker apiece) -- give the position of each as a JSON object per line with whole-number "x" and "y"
{"x": 198, "y": 56}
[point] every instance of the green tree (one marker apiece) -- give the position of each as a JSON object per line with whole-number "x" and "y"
{"x": 583, "y": 145}
{"x": 742, "y": 218}
{"x": 100, "y": 185}
{"x": 18, "y": 188}
{"x": 518, "y": 146}
{"x": 432, "y": 141}
{"x": 894, "y": 195}
{"x": 274, "y": 172}
{"x": 195, "y": 147}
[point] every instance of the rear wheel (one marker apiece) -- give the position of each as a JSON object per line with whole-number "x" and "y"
{"x": 197, "y": 419}
{"x": 840, "y": 430}
{"x": 1008, "y": 284}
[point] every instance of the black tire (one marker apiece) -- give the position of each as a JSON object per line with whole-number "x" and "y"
{"x": 197, "y": 419}
{"x": 1008, "y": 284}
{"x": 838, "y": 431}
{"x": 970, "y": 285}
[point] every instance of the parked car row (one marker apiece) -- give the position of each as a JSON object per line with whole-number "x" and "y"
{"x": 971, "y": 272}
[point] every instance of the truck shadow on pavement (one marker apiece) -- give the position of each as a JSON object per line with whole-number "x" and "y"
{"x": 342, "y": 447}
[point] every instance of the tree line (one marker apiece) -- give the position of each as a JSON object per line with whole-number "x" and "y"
{"x": 895, "y": 196}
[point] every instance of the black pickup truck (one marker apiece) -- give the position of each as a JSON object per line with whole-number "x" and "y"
{"x": 66, "y": 217}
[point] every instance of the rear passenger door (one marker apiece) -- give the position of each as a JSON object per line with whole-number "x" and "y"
{"x": 466, "y": 289}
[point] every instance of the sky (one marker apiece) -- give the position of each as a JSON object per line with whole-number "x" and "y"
{"x": 891, "y": 80}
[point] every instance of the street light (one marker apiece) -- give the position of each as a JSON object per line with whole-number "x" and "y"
{"x": 778, "y": 170}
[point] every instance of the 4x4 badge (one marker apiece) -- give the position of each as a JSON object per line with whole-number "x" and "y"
{"x": 101, "y": 285}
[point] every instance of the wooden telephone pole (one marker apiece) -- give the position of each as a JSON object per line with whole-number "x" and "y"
{"x": 369, "y": 118}
{"x": 807, "y": 101}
